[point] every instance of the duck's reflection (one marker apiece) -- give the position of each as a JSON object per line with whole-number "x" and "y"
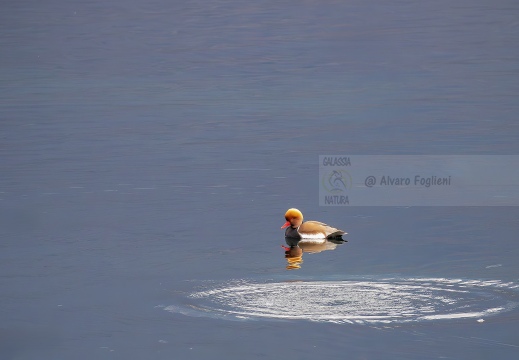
{"x": 296, "y": 247}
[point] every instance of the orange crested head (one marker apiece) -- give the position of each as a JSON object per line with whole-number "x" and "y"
{"x": 293, "y": 218}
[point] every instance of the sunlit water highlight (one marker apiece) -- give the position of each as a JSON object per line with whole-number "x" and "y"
{"x": 363, "y": 301}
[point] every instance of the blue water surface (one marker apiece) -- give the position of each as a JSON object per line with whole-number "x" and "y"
{"x": 149, "y": 150}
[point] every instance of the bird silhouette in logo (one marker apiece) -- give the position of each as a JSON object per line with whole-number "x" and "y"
{"x": 336, "y": 181}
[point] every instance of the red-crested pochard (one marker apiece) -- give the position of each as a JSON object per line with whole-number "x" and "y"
{"x": 298, "y": 229}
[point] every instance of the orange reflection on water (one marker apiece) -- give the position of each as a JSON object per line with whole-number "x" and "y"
{"x": 296, "y": 247}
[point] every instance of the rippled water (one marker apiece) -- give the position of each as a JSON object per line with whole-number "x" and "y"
{"x": 360, "y": 301}
{"x": 149, "y": 149}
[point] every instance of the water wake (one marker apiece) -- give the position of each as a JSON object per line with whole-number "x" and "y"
{"x": 364, "y": 301}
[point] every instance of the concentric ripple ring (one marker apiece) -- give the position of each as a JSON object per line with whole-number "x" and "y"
{"x": 365, "y": 301}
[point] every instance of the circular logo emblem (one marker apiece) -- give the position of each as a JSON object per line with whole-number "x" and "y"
{"x": 336, "y": 181}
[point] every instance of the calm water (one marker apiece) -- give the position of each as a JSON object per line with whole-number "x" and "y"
{"x": 149, "y": 150}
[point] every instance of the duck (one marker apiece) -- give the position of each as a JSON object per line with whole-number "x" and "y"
{"x": 315, "y": 230}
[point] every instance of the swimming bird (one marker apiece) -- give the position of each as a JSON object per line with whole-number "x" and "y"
{"x": 298, "y": 229}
